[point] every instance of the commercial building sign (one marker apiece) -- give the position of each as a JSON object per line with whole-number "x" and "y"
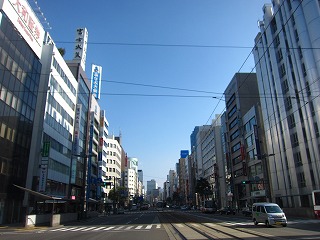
{"x": 76, "y": 134}
{"x": 96, "y": 80}
{"x": 80, "y": 47}
{"x": 184, "y": 153}
{"x": 43, "y": 177}
{"x": 26, "y": 22}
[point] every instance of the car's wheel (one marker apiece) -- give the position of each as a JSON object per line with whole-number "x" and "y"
{"x": 267, "y": 223}
{"x": 284, "y": 225}
{"x": 255, "y": 222}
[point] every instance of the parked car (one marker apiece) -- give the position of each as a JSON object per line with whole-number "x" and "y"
{"x": 144, "y": 207}
{"x": 185, "y": 207}
{"x": 247, "y": 211}
{"x": 227, "y": 211}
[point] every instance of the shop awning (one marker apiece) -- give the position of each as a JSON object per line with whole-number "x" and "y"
{"x": 38, "y": 194}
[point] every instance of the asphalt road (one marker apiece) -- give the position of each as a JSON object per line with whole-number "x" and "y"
{"x": 153, "y": 225}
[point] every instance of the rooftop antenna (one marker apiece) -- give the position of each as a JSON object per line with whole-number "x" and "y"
{"x": 41, "y": 16}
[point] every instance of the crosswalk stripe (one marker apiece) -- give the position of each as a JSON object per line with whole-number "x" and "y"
{"x": 118, "y": 228}
{"x": 98, "y": 228}
{"x": 77, "y": 229}
{"x": 139, "y": 227}
{"x": 128, "y": 228}
{"x": 108, "y": 228}
{"x": 149, "y": 227}
{"x": 58, "y": 229}
{"x": 87, "y": 229}
{"x": 67, "y": 229}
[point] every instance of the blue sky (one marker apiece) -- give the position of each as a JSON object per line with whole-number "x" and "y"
{"x": 184, "y": 51}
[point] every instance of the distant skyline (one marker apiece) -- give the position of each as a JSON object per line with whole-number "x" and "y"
{"x": 165, "y": 65}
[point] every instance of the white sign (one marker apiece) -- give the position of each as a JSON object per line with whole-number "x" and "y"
{"x": 80, "y": 47}
{"x": 43, "y": 177}
{"x": 26, "y": 22}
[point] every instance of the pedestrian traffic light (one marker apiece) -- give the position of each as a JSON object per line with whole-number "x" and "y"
{"x": 246, "y": 182}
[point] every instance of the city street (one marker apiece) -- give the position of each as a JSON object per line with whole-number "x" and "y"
{"x": 168, "y": 224}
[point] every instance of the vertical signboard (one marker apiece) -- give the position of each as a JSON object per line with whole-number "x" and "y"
{"x": 76, "y": 134}
{"x": 100, "y": 147}
{"x": 44, "y": 166}
{"x": 96, "y": 80}
{"x": 80, "y": 47}
{"x": 89, "y": 180}
{"x": 256, "y": 138}
{"x": 43, "y": 177}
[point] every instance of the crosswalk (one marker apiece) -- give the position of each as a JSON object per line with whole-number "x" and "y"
{"x": 106, "y": 228}
{"x": 249, "y": 222}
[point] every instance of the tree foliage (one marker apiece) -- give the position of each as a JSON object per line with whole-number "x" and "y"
{"x": 120, "y": 194}
{"x": 62, "y": 51}
{"x": 203, "y": 188}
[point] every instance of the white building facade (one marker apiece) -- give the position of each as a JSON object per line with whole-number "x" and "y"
{"x": 112, "y": 161}
{"x": 288, "y": 71}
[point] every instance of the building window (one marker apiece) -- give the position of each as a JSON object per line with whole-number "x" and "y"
{"x": 295, "y": 140}
{"x": 301, "y": 179}
{"x": 300, "y": 52}
{"x": 231, "y": 100}
{"x": 312, "y": 108}
{"x": 279, "y": 55}
{"x": 232, "y": 112}
{"x": 236, "y": 147}
{"x": 296, "y": 35}
{"x": 285, "y": 86}
{"x": 288, "y": 103}
{"x": 277, "y": 41}
{"x": 291, "y": 121}
{"x": 304, "y": 70}
{"x": 233, "y": 123}
{"x": 249, "y": 140}
{"x": 234, "y": 135}
{"x": 298, "y": 159}
{"x": 282, "y": 70}
{"x": 316, "y": 129}
{"x": 308, "y": 88}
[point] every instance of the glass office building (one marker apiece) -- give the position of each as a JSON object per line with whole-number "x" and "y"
{"x": 19, "y": 81}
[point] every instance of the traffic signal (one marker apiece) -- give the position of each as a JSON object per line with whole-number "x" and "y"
{"x": 246, "y": 182}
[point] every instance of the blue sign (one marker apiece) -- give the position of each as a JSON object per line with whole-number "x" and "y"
{"x": 96, "y": 80}
{"x": 184, "y": 153}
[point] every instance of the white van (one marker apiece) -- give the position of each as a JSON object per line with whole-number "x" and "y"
{"x": 268, "y": 213}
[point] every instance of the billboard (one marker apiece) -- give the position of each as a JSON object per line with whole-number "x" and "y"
{"x": 26, "y": 22}
{"x": 96, "y": 80}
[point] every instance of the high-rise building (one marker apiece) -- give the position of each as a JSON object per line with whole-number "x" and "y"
{"x": 57, "y": 116}
{"x": 131, "y": 176}
{"x": 112, "y": 160}
{"x": 241, "y": 96}
{"x": 287, "y": 56}
{"x": 195, "y": 138}
{"x": 20, "y": 72}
